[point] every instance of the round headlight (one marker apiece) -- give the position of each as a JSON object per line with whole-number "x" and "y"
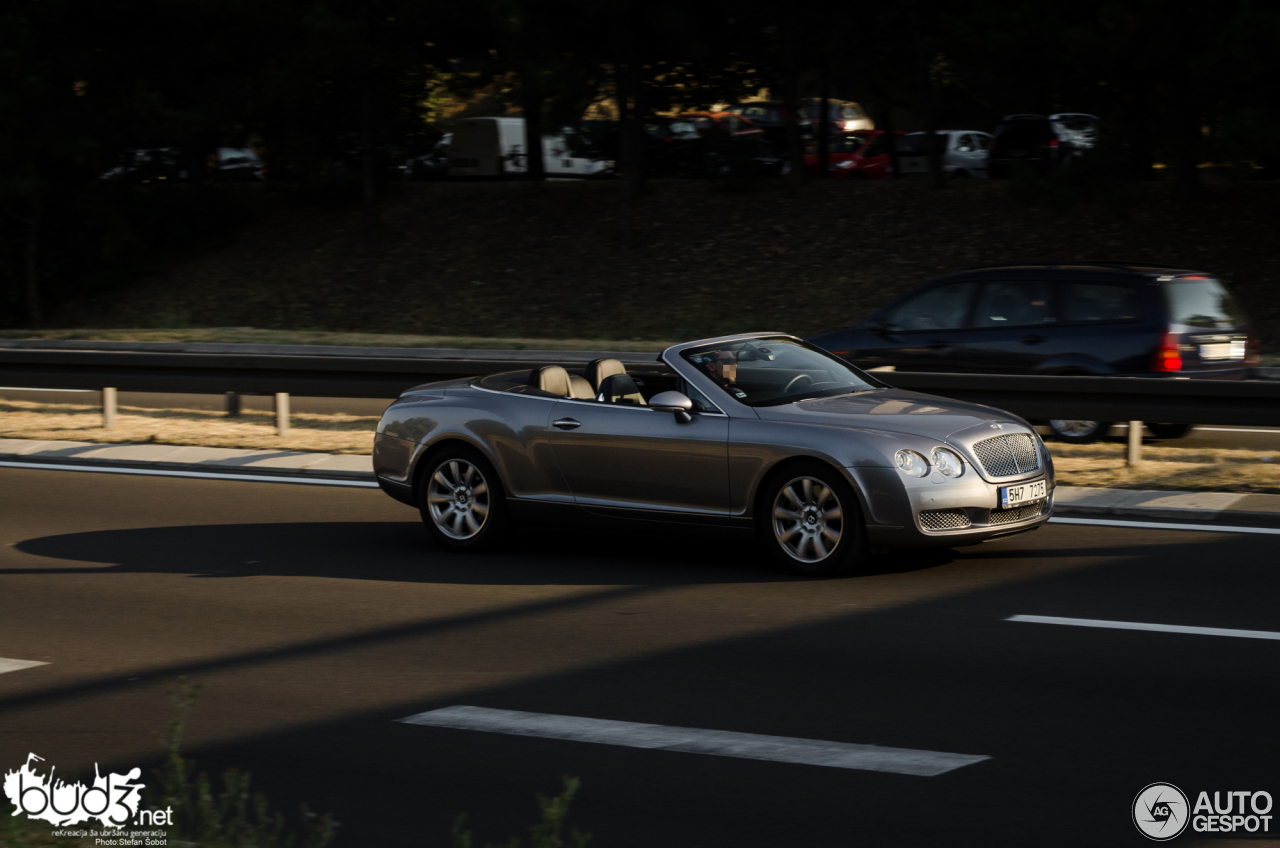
{"x": 910, "y": 462}
{"x": 947, "y": 462}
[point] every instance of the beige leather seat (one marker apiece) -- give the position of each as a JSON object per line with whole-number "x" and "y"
{"x": 557, "y": 381}
{"x": 598, "y": 369}
{"x": 620, "y": 388}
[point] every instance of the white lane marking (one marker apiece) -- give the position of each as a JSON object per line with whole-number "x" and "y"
{"x": 8, "y": 665}
{"x": 201, "y": 475}
{"x": 1163, "y": 525}
{"x": 721, "y": 743}
{"x": 20, "y": 389}
{"x": 1137, "y": 625}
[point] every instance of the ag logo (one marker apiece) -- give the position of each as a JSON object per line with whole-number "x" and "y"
{"x": 1160, "y": 811}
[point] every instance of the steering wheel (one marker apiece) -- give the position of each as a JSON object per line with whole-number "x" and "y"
{"x": 796, "y": 379}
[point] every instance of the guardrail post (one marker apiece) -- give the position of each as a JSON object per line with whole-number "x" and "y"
{"x": 1135, "y": 443}
{"x": 233, "y": 404}
{"x": 282, "y": 413}
{"x": 108, "y": 408}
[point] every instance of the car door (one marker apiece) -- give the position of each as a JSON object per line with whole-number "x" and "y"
{"x": 924, "y": 332}
{"x": 633, "y": 456}
{"x": 1013, "y": 325}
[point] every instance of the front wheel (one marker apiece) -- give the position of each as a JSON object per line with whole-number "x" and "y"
{"x": 461, "y": 501}
{"x": 1075, "y": 432}
{"x": 811, "y": 522}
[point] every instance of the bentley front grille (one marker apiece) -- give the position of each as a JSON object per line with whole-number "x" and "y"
{"x": 944, "y": 519}
{"x": 1016, "y": 514}
{"x": 1005, "y": 456}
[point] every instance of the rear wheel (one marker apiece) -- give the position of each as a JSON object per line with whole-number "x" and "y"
{"x": 811, "y": 522}
{"x": 461, "y": 500}
{"x": 1078, "y": 432}
{"x": 1170, "y": 431}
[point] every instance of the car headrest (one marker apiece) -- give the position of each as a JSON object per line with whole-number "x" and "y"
{"x": 620, "y": 388}
{"x": 580, "y": 389}
{"x": 552, "y": 379}
{"x": 598, "y": 369}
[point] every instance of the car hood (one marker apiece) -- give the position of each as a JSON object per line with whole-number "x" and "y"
{"x": 892, "y": 410}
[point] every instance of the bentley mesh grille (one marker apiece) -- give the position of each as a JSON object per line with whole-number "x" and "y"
{"x": 1016, "y": 514}
{"x": 944, "y": 519}
{"x": 1005, "y": 456}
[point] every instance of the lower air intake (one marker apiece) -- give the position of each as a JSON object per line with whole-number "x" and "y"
{"x": 944, "y": 519}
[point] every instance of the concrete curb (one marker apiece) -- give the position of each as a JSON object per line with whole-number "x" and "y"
{"x": 1069, "y": 501}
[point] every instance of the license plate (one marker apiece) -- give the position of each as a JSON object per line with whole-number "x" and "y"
{"x": 1023, "y": 493}
{"x": 1224, "y": 350}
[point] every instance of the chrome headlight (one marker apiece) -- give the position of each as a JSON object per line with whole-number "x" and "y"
{"x": 947, "y": 462}
{"x": 910, "y": 462}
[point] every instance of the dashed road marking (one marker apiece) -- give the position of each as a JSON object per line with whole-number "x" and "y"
{"x": 721, "y": 743}
{"x": 1136, "y": 625}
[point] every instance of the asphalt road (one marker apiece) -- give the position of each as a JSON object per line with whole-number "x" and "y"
{"x": 314, "y": 618}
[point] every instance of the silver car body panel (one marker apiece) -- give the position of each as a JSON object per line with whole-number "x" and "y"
{"x": 636, "y": 461}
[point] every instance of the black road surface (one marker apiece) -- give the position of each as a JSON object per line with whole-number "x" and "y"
{"x": 314, "y": 618}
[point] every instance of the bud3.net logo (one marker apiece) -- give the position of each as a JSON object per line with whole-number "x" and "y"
{"x": 1161, "y": 812}
{"x": 113, "y": 800}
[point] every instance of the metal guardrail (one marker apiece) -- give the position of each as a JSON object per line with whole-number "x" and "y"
{"x": 320, "y": 371}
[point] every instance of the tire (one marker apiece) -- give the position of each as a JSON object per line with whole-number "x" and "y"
{"x": 810, "y": 521}
{"x": 460, "y": 513}
{"x": 1170, "y": 431}
{"x": 1075, "y": 432}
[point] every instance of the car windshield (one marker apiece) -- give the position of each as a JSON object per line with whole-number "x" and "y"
{"x": 768, "y": 372}
{"x": 1203, "y": 303}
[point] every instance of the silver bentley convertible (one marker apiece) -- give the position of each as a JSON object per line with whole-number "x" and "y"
{"x": 759, "y": 431}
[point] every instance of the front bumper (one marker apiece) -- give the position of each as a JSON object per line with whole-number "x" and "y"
{"x": 908, "y": 512}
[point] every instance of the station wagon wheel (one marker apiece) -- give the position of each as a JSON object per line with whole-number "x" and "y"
{"x": 1078, "y": 432}
{"x": 461, "y": 500}
{"x": 811, "y": 521}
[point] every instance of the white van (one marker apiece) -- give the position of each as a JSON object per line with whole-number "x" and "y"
{"x": 494, "y": 147}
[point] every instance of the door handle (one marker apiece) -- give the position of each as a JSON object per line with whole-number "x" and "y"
{"x": 566, "y": 424}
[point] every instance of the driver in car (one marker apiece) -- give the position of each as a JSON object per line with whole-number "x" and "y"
{"x": 722, "y": 366}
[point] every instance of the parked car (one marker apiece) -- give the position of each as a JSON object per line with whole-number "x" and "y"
{"x": 1083, "y": 318}
{"x": 148, "y": 165}
{"x": 771, "y": 117}
{"x": 859, "y": 155}
{"x": 1039, "y": 143}
{"x": 495, "y": 147}
{"x": 1079, "y": 129}
{"x": 239, "y": 164}
{"x": 755, "y": 432}
{"x": 963, "y": 153}
{"x": 843, "y": 115}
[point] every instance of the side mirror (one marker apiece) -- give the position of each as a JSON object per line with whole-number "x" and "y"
{"x": 675, "y": 402}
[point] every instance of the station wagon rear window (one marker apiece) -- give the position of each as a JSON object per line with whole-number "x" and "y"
{"x": 1202, "y": 302}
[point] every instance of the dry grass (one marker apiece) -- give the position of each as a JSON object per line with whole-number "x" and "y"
{"x": 330, "y": 433}
{"x": 250, "y": 335}
{"x": 1170, "y": 468}
{"x": 1101, "y": 464}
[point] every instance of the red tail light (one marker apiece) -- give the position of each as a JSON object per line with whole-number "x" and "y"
{"x": 1053, "y": 143}
{"x": 1168, "y": 357}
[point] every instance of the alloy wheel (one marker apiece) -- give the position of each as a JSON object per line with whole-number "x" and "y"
{"x": 458, "y": 499}
{"x": 808, "y": 520}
